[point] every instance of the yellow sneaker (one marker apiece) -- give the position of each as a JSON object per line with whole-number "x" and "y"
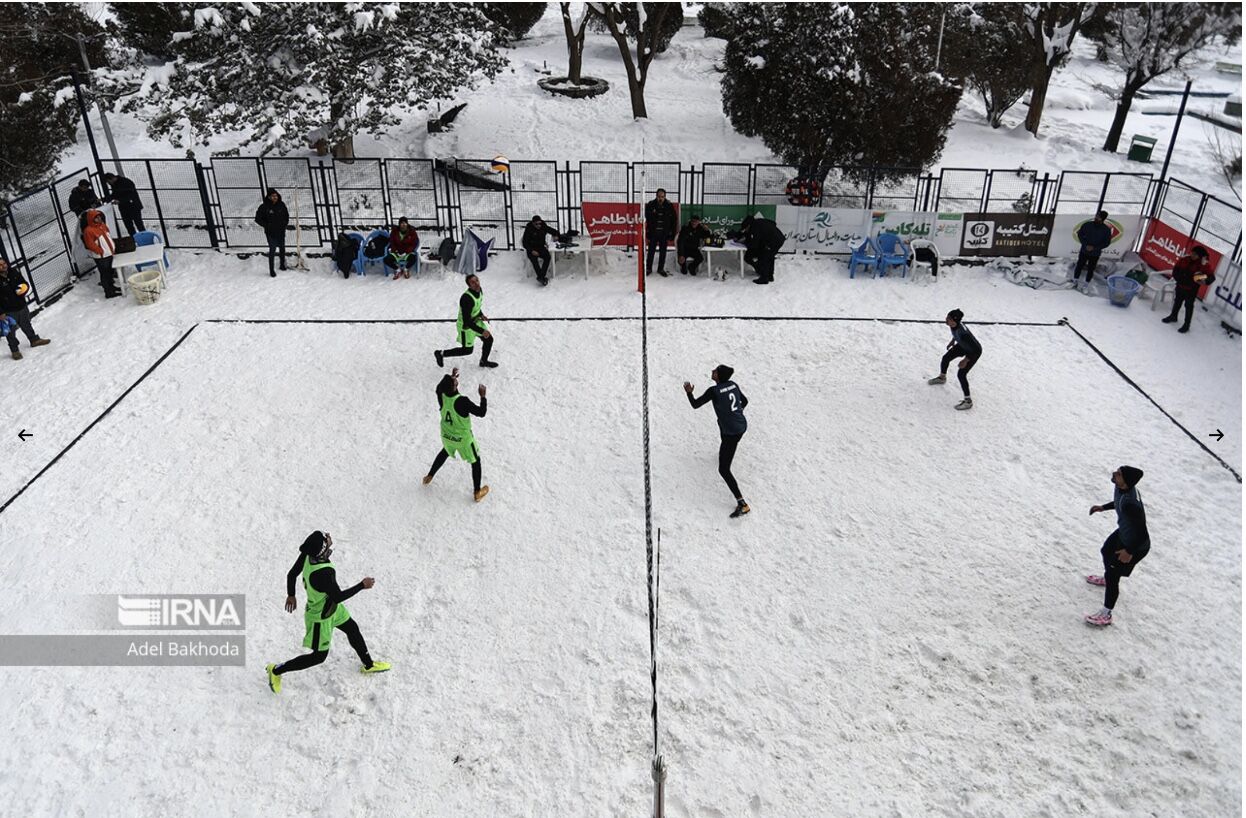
{"x": 480, "y": 495}
{"x": 377, "y": 667}
{"x": 274, "y": 681}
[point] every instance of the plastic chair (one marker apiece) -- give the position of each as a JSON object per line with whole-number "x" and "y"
{"x": 892, "y": 253}
{"x": 356, "y": 266}
{"x": 916, "y": 264}
{"x": 365, "y": 259}
{"x": 867, "y": 254}
{"x": 1122, "y": 289}
{"x": 143, "y": 238}
{"x": 1161, "y": 292}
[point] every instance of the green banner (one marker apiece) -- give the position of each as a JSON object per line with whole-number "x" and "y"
{"x": 721, "y": 218}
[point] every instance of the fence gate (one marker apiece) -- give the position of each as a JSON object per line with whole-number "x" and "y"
{"x": 239, "y": 191}
{"x": 411, "y": 191}
{"x": 534, "y": 192}
{"x": 360, "y": 195}
{"x": 961, "y": 190}
{"x": 293, "y": 180}
{"x": 39, "y": 225}
{"x": 1011, "y": 191}
{"x": 172, "y": 194}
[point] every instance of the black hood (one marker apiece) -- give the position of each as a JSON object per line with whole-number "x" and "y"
{"x": 270, "y": 192}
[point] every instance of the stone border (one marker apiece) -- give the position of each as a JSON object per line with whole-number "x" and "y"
{"x": 588, "y": 87}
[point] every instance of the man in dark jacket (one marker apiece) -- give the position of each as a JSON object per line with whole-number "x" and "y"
{"x": 1190, "y": 272}
{"x": 404, "y": 244}
{"x": 1126, "y": 546}
{"x": 534, "y": 247}
{"x": 273, "y": 216}
{"x": 963, "y": 345}
{"x": 125, "y": 195}
{"x": 764, "y": 239}
{"x": 688, "y": 245}
{"x": 729, "y": 404}
{"x": 660, "y": 224}
{"x": 13, "y": 291}
{"x": 82, "y": 198}
{"x": 1094, "y": 236}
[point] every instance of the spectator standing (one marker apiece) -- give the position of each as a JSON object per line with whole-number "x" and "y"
{"x": 130, "y": 206}
{"x": 274, "y": 217}
{"x": 100, "y": 247}
{"x": 13, "y": 291}
{"x": 1190, "y": 272}
{"x": 688, "y": 245}
{"x": 660, "y": 224}
{"x": 1094, "y": 236}
{"x": 82, "y": 198}
{"x": 404, "y": 245}
{"x": 534, "y": 246}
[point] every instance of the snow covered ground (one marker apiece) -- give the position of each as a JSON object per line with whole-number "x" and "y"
{"x": 895, "y": 630}
{"x": 511, "y": 116}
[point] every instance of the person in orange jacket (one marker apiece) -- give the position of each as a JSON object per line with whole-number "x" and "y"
{"x": 99, "y": 244}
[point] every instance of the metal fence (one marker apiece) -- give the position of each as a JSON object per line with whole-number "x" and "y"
{"x": 213, "y": 205}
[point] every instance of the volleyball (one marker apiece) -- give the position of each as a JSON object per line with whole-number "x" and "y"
{"x": 500, "y": 164}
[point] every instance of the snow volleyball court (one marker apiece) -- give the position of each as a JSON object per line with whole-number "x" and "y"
{"x": 895, "y": 629}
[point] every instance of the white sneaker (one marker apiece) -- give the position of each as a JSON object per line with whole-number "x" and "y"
{"x": 967, "y": 403}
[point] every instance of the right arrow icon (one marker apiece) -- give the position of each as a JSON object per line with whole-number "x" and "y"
{"x": 1217, "y": 435}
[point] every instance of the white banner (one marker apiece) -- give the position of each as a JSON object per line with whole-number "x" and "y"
{"x": 941, "y": 228}
{"x": 1064, "y": 242}
{"x": 819, "y": 229}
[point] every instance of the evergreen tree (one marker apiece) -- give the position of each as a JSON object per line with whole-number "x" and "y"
{"x": 715, "y": 20}
{"x": 515, "y": 19}
{"x": 280, "y": 72}
{"x": 1147, "y": 40}
{"x": 838, "y": 84}
{"x": 149, "y": 27}
{"x": 985, "y": 47}
{"x": 37, "y": 107}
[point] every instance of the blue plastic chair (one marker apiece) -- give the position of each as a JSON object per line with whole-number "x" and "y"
{"x": 892, "y": 252}
{"x": 365, "y": 260}
{"x": 867, "y": 254}
{"x": 143, "y": 238}
{"x": 356, "y": 266}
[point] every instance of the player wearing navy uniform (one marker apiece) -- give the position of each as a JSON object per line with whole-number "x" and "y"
{"x": 729, "y": 403}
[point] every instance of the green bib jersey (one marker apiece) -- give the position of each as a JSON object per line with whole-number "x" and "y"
{"x": 319, "y": 626}
{"x": 467, "y": 336}
{"x": 456, "y": 431}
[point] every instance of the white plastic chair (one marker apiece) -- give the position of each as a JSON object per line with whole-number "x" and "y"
{"x": 915, "y": 265}
{"x": 1158, "y": 294}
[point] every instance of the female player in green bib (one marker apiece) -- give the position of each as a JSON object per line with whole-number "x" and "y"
{"x": 324, "y": 613}
{"x": 456, "y": 429}
{"x": 471, "y": 322}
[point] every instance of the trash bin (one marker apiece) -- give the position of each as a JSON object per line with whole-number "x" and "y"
{"x": 1140, "y": 148}
{"x": 1122, "y": 289}
{"x": 146, "y": 286}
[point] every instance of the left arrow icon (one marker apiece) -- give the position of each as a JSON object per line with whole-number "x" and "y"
{"x": 23, "y": 434}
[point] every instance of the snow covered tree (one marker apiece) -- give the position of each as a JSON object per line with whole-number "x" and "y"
{"x": 279, "y": 72}
{"x": 648, "y": 26}
{"x": 984, "y": 46}
{"x": 1050, "y": 30}
{"x": 1147, "y": 40}
{"x": 715, "y": 20}
{"x": 149, "y": 27}
{"x": 574, "y": 27}
{"x": 37, "y": 108}
{"x": 821, "y": 87}
{"x": 516, "y": 19}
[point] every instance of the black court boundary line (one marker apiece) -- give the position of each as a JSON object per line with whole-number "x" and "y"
{"x": 102, "y": 415}
{"x": 644, "y": 317}
{"x": 1144, "y": 394}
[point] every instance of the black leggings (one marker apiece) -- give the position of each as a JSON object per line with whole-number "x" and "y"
{"x": 726, "y": 453}
{"x": 1111, "y": 572}
{"x": 961, "y": 372}
{"x": 316, "y": 657}
{"x": 443, "y": 456}
{"x": 1187, "y": 298}
{"x": 459, "y": 352}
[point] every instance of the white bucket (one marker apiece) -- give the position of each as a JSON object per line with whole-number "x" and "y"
{"x": 146, "y": 286}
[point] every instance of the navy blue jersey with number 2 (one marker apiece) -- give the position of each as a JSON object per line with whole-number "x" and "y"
{"x": 729, "y": 403}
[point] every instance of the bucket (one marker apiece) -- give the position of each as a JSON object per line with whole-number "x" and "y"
{"x": 1122, "y": 289}
{"x": 145, "y": 286}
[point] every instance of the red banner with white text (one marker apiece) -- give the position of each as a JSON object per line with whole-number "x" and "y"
{"x": 1164, "y": 245}
{"x": 613, "y": 224}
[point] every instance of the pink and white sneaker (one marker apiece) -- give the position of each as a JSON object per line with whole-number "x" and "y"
{"x": 1095, "y": 579}
{"x": 1099, "y": 620}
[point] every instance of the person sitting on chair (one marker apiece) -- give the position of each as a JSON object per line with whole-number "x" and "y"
{"x": 688, "y": 245}
{"x": 534, "y": 247}
{"x": 404, "y": 245}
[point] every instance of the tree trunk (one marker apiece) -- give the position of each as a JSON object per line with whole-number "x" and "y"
{"x": 1118, "y": 120}
{"x": 345, "y": 147}
{"x": 635, "y": 79}
{"x": 1038, "y": 98}
{"x": 575, "y": 44}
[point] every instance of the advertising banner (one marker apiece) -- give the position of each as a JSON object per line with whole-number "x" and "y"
{"x": 1164, "y": 245}
{"x": 613, "y": 224}
{"x": 722, "y": 218}
{"x": 818, "y": 229}
{"x": 1006, "y": 234}
{"x": 1065, "y": 244}
{"x": 943, "y": 229}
